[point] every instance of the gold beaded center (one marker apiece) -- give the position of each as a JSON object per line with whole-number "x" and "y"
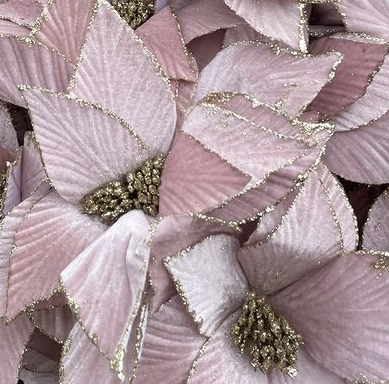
{"x": 267, "y": 337}
{"x": 138, "y": 190}
{"x": 134, "y": 12}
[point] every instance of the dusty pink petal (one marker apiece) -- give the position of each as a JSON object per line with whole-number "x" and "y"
{"x": 29, "y": 377}
{"x": 221, "y": 363}
{"x": 360, "y": 60}
{"x": 205, "y": 48}
{"x": 376, "y": 229}
{"x": 12, "y": 190}
{"x": 56, "y": 300}
{"x": 31, "y": 64}
{"x": 82, "y": 362}
{"x": 8, "y": 141}
{"x": 194, "y": 186}
{"x": 8, "y": 27}
{"x": 51, "y": 234}
{"x": 44, "y": 345}
{"x": 55, "y": 322}
{"x": 371, "y": 106}
{"x": 266, "y": 80}
{"x": 278, "y": 19}
{"x": 38, "y": 362}
{"x": 105, "y": 284}
{"x": 33, "y": 173}
{"x": 118, "y": 72}
{"x": 210, "y": 280}
{"x": 10, "y": 224}
{"x": 83, "y": 147}
{"x": 23, "y": 12}
{"x": 318, "y": 226}
{"x": 345, "y": 328}
{"x": 162, "y": 36}
{"x": 171, "y": 343}
{"x": 242, "y": 33}
{"x": 361, "y": 155}
{"x": 365, "y": 16}
{"x": 171, "y": 235}
{"x": 201, "y": 17}
{"x": 257, "y": 147}
{"x": 65, "y": 26}
{"x": 14, "y": 338}
{"x": 184, "y": 93}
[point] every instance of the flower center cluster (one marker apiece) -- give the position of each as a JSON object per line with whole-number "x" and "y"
{"x": 267, "y": 337}
{"x": 138, "y": 190}
{"x": 134, "y": 12}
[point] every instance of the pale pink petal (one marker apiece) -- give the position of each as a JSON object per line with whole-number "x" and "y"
{"x": 8, "y": 27}
{"x": 171, "y": 343}
{"x": 345, "y": 328}
{"x": 64, "y": 26}
{"x": 219, "y": 362}
{"x": 56, "y": 300}
{"x": 205, "y": 48}
{"x": 184, "y": 93}
{"x": 278, "y": 19}
{"x": 362, "y": 154}
{"x": 242, "y": 33}
{"x": 194, "y": 186}
{"x": 8, "y": 141}
{"x": 12, "y": 190}
{"x": 31, "y": 64}
{"x": 171, "y": 235}
{"x": 318, "y": 226}
{"x": 23, "y": 12}
{"x": 210, "y": 280}
{"x": 51, "y": 234}
{"x": 104, "y": 284}
{"x": 162, "y": 36}
{"x": 365, "y": 16}
{"x": 371, "y": 106}
{"x": 14, "y": 338}
{"x": 83, "y": 147}
{"x": 119, "y": 73}
{"x": 10, "y": 224}
{"x": 201, "y": 17}
{"x": 376, "y": 230}
{"x": 266, "y": 80}
{"x": 361, "y": 58}
{"x": 55, "y": 322}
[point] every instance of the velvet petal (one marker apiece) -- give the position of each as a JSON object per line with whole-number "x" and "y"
{"x": 23, "y": 12}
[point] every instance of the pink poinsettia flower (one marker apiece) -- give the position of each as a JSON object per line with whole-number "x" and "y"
{"x": 301, "y": 267}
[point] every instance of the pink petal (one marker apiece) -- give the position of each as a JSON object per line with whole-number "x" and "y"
{"x": 361, "y": 58}
{"x": 8, "y": 141}
{"x": 266, "y": 80}
{"x": 10, "y": 224}
{"x": 51, "y": 234}
{"x": 171, "y": 235}
{"x": 318, "y": 226}
{"x": 232, "y": 368}
{"x": 8, "y": 27}
{"x": 365, "y": 16}
{"x": 14, "y": 338}
{"x": 56, "y": 300}
{"x": 278, "y": 19}
{"x": 194, "y": 186}
{"x": 29, "y": 377}
{"x": 31, "y": 64}
{"x": 83, "y": 146}
{"x": 362, "y": 154}
{"x": 201, "y": 17}
{"x": 45, "y": 346}
{"x": 184, "y": 93}
{"x": 23, "y": 12}
{"x": 37, "y": 362}
{"x": 162, "y": 36}
{"x": 325, "y": 14}
{"x": 345, "y": 328}
{"x": 371, "y": 106}
{"x": 210, "y": 280}
{"x": 171, "y": 344}
{"x": 55, "y": 322}
{"x": 376, "y": 230}
{"x": 104, "y": 284}
{"x": 13, "y": 186}
{"x": 242, "y": 33}
{"x": 110, "y": 71}
{"x": 64, "y": 26}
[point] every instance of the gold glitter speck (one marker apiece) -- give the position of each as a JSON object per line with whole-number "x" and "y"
{"x": 138, "y": 190}
{"x": 268, "y": 337}
{"x": 134, "y": 12}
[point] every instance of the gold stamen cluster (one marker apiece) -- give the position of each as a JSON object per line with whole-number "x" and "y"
{"x": 134, "y": 12}
{"x": 138, "y": 190}
{"x": 268, "y": 338}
